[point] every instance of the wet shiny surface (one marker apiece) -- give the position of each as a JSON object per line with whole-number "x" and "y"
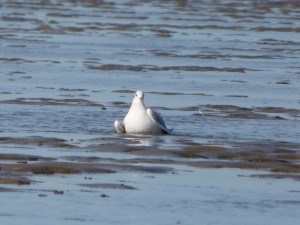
{"x": 225, "y": 75}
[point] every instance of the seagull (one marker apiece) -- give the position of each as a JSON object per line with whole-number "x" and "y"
{"x": 141, "y": 120}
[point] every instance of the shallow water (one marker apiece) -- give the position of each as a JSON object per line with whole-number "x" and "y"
{"x": 225, "y": 75}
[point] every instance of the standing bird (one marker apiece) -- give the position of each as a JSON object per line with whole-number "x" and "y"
{"x": 141, "y": 120}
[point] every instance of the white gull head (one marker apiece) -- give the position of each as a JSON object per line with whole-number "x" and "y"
{"x": 139, "y": 95}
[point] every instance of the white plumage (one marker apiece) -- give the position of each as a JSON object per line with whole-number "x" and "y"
{"x": 141, "y": 120}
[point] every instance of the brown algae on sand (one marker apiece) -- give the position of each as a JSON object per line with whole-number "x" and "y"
{"x": 273, "y": 157}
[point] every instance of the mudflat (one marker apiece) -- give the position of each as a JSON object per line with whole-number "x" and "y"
{"x": 224, "y": 75}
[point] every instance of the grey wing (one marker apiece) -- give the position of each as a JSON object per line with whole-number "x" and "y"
{"x": 158, "y": 120}
{"x": 120, "y": 127}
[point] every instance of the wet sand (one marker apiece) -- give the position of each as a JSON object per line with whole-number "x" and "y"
{"x": 223, "y": 74}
